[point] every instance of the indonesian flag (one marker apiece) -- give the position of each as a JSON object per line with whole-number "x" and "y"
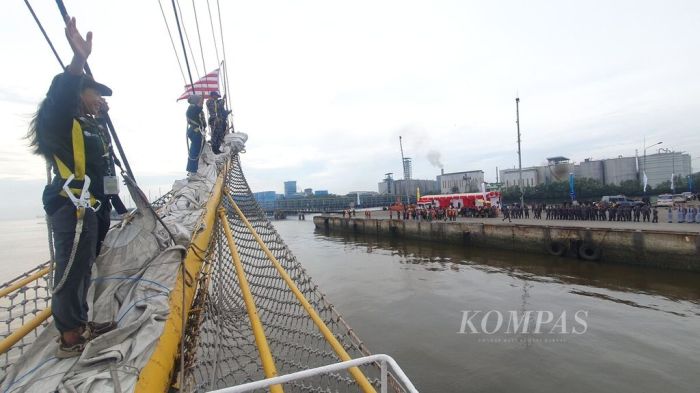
{"x": 204, "y": 86}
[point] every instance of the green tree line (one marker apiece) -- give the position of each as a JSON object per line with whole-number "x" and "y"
{"x": 592, "y": 190}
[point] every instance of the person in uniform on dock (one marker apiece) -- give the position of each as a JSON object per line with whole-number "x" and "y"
{"x": 646, "y": 212}
{"x": 656, "y": 216}
{"x": 690, "y": 216}
{"x": 680, "y": 214}
{"x": 637, "y": 213}
{"x": 506, "y": 213}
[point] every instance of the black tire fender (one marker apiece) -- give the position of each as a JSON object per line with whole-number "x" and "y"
{"x": 589, "y": 252}
{"x": 556, "y": 248}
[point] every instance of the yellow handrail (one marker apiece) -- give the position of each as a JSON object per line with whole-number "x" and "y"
{"x": 20, "y": 283}
{"x": 325, "y": 331}
{"x": 155, "y": 376}
{"x": 23, "y": 330}
{"x": 268, "y": 362}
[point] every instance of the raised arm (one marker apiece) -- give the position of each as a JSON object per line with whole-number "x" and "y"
{"x": 82, "y": 47}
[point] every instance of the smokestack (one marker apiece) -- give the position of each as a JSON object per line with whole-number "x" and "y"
{"x": 442, "y": 171}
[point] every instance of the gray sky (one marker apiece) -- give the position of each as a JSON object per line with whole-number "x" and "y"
{"x": 324, "y": 88}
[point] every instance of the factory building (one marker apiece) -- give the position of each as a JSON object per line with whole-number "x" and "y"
{"x": 460, "y": 182}
{"x": 607, "y": 171}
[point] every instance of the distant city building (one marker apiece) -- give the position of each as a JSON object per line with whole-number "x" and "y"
{"x": 611, "y": 171}
{"x": 321, "y": 193}
{"x": 556, "y": 170}
{"x": 532, "y": 176}
{"x": 308, "y": 192}
{"x": 408, "y": 187}
{"x": 608, "y": 171}
{"x": 290, "y": 188}
{"x": 265, "y": 199}
{"x": 660, "y": 166}
{"x": 460, "y": 182}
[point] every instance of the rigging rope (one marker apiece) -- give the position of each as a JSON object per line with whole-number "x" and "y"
{"x": 48, "y": 40}
{"x": 184, "y": 50}
{"x": 170, "y": 35}
{"x": 223, "y": 49}
{"x": 187, "y": 37}
{"x": 213, "y": 34}
{"x": 199, "y": 37}
{"x": 110, "y": 126}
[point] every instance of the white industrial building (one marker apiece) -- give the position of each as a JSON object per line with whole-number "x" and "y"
{"x": 659, "y": 167}
{"x": 460, "y": 182}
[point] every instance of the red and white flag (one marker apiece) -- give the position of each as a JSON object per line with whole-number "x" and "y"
{"x": 204, "y": 86}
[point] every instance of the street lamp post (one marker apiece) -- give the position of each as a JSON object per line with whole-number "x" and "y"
{"x": 644, "y": 170}
{"x": 520, "y": 160}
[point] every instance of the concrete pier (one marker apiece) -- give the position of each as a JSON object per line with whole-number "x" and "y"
{"x": 670, "y": 249}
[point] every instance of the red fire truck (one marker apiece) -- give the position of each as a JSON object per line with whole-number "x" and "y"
{"x": 472, "y": 199}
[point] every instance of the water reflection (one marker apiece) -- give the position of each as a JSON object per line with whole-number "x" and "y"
{"x": 669, "y": 284}
{"x": 408, "y": 299}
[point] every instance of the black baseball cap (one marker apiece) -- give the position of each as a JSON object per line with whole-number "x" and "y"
{"x": 89, "y": 81}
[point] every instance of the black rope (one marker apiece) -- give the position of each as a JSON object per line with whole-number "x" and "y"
{"x": 170, "y": 35}
{"x": 184, "y": 50}
{"x": 199, "y": 37}
{"x": 48, "y": 40}
{"x": 110, "y": 126}
{"x": 187, "y": 37}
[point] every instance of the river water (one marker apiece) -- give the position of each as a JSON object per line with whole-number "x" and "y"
{"x": 637, "y": 328}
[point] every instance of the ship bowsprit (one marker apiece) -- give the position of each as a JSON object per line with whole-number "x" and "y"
{"x": 206, "y": 295}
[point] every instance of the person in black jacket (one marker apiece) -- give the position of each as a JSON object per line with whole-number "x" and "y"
{"x": 196, "y": 125}
{"x": 63, "y": 132}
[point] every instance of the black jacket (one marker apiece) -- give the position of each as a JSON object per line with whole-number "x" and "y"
{"x": 54, "y": 127}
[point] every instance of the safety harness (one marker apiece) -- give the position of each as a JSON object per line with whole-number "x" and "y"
{"x": 80, "y": 197}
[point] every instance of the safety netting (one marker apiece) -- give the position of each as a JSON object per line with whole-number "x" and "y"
{"x": 22, "y": 306}
{"x": 219, "y": 345}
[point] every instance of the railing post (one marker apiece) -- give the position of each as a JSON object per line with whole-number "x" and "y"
{"x": 384, "y": 377}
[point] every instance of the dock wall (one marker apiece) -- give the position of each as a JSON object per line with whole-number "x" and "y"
{"x": 670, "y": 250}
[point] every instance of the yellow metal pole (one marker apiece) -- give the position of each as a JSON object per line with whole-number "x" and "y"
{"x": 325, "y": 331}
{"x": 20, "y": 283}
{"x": 260, "y": 340}
{"x": 18, "y": 334}
{"x": 155, "y": 376}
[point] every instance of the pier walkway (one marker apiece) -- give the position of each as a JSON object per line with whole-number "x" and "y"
{"x": 662, "y": 225}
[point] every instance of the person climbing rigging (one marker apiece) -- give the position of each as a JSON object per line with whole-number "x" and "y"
{"x": 196, "y": 125}
{"x": 62, "y": 132}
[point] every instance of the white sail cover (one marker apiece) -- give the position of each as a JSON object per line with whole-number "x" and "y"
{"x": 132, "y": 280}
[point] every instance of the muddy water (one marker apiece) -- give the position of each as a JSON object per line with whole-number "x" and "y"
{"x": 638, "y": 328}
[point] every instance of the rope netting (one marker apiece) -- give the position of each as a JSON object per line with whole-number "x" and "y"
{"x": 220, "y": 346}
{"x": 20, "y": 307}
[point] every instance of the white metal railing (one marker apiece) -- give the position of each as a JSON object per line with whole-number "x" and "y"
{"x": 383, "y": 360}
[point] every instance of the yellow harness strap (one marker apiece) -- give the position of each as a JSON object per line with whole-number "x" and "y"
{"x": 78, "y": 160}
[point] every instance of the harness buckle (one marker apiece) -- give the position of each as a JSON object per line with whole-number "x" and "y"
{"x": 83, "y": 201}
